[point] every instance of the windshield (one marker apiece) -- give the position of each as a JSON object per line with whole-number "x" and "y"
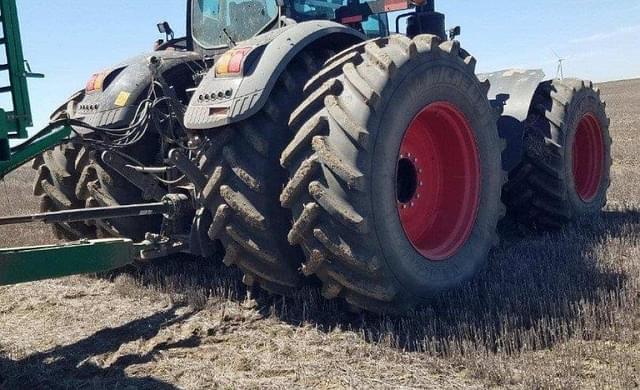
{"x": 241, "y": 19}
{"x": 317, "y": 9}
{"x": 375, "y": 25}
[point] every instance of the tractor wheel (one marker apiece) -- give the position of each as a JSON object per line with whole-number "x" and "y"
{"x": 245, "y": 181}
{"x": 565, "y": 171}
{"x": 395, "y": 173}
{"x": 55, "y": 184}
{"x": 71, "y": 177}
{"x": 101, "y": 186}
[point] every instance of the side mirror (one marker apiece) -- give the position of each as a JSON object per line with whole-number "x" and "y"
{"x": 165, "y": 28}
{"x": 454, "y": 32}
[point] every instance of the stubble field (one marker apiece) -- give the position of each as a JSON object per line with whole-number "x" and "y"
{"x": 559, "y": 310}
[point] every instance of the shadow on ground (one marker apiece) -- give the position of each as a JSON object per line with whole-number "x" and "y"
{"x": 535, "y": 292}
{"x": 69, "y": 366}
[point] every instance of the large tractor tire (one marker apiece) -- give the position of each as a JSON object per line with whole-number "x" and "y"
{"x": 71, "y": 176}
{"x": 245, "y": 181}
{"x": 565, "y": 170}
{"x": 101, "y": 186}
{"x": 55, "y": 184}
{"x": 395, "y": 173}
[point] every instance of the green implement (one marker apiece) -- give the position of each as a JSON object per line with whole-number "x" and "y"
{"x": 13, "y": 124}
{"x": 49, "y": 137}
{"x": 15, "y": 121}
{"x": 19, "y": 265}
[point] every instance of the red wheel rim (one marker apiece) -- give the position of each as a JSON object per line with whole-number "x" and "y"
{"x": 438, "y": 181}
{"x": 588, "y": 157}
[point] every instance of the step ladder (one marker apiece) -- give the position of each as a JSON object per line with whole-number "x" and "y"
{"x": 13, "y": 124}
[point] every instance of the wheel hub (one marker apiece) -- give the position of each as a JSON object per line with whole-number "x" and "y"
{"x": 408, "y": 183}
{"x": 588, "y": 157}
{"x": 438, "y": 181}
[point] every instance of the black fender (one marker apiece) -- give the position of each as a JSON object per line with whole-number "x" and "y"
{"x": 124, "y": 85}
{"x": 511, "y": 94}
{"x": 244, "y": 95}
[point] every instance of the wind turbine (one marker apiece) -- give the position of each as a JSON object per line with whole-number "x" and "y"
{"x": 559, "y": 70}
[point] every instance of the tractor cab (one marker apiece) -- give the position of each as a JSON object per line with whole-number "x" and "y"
{"x": 219, "y": 24}
{"x": 214, "y": 26}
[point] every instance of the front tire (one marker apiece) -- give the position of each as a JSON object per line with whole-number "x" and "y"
{"x": 565, "y": 173}
{"x": 366, "y": 223}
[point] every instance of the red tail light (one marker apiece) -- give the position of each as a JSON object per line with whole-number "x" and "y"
{"x": 231, "y": 62}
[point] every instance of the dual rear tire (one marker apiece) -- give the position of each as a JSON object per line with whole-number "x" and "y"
{"x": 395, "y": 173}
{"x": 72, "y": 176}
{"x": 244, "y": 182}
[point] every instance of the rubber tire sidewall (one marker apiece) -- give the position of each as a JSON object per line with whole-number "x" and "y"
{"x": 420, "y": 276}
{"x": 586, "y": 101}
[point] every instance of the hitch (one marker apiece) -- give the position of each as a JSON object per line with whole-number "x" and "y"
{"x": 19, "y": 265}
{"x": 171, "y": 206}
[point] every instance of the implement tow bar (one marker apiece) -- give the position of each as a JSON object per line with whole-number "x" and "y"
{"x": 19, "y": 265}
{"x": 171, "y": 205}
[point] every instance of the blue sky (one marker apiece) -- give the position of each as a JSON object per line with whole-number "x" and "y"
{"x": 68, "y": 40}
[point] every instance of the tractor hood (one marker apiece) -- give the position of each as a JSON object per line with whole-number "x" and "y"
{"x": 111, "y": 97}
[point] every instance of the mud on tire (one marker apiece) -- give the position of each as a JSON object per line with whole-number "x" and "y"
{"x": 245, "y": 180}
{"x": 343, "y": 166}
{"x": 55, "y": 184}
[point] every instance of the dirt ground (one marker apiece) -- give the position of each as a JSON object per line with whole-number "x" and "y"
{"x": 560, "y": 310}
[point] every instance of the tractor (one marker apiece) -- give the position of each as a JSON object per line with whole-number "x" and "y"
{"x": 301, "y": 138}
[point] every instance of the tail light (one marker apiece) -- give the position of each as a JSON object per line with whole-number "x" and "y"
{"x": 101, "y": 80}
{"x": 96, "y": 82}
{"x": 232, "y": 62}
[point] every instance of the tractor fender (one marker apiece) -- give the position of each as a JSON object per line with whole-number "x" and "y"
{"x": 115, "y": 104}
{"x": 237, "y": 98}
{"x": 511, "y": 93}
